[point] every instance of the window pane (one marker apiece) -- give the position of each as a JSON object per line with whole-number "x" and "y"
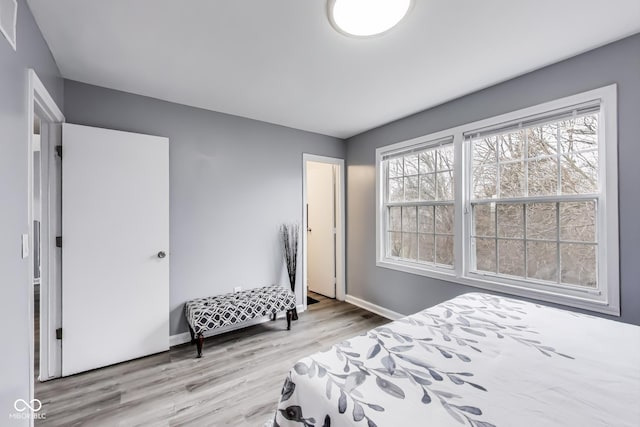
{"x": 411, "y": 165}
{"x": 484, "y": 151}
{"x": 395, "y": 244}
{"x": 426, "y": 247}
{"x": 543, "y": 177}
{"x": 512, "y": 179}
{"x": 511, "y": 257}
{"x": 485, "y": 255}
{"x": 427, "y": 162}
{"x": 445, "y": 158}
{"x": 444, "y": 219}
{"x": 427, "y": 187}
{"x": 395, "y": 167}
{"x": 578, "y": 221}
{"x": 396, "y": 190}
{"x": 542, "y": 140}
{"x": 510, "y": 221}
{"x": 425, "y": 219}
{"x": 409, "y": 219}
{"x": 444, "y": 250}
{"x": 444, "y": 182}
{"x": 579, "y": 134}
{"x": 579, "y": 173}
{"x": 542, "y": 260}
{"x": 485, "y": 179}
{"x": 409, "y": 245}
{"x": 578, "y": 264}
{"x": 411, "y": 188}
{"x": 511, "y": 146}
{"x": 484, "y": 219}
{"x": 541, "y": 221}
{"x": 395, "y": 221}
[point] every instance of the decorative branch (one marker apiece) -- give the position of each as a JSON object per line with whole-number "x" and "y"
{"x": 289, "y": 234}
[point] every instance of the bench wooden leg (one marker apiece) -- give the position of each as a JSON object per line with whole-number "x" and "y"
{"x": 193, "y": 335}
{"x": 199, "y": 343}
{"x": 289, "y": 317}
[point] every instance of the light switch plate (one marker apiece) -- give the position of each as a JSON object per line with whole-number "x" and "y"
{"x": 25, "y": 245}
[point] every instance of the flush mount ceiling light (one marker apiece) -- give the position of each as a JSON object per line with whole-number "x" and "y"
{"x": 363, "y": 18}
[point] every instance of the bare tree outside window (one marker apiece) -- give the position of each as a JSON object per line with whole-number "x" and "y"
{"x": 534, "y": 201}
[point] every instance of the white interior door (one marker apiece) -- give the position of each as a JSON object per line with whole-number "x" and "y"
{"x": 115, "y": 229}
{"x": 51, "y": 262}
{"x": 321, "y": 246}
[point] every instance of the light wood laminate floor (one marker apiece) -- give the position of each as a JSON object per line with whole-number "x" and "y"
{"x": 237, "y": 382}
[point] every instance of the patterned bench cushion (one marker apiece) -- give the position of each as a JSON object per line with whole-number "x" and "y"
{"x": 204, "y": 314}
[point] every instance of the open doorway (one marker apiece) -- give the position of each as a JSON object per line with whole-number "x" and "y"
{"x": 44, "y": 219}
{"x": 323, "y": 228}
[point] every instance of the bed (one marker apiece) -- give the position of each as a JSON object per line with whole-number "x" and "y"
{"x": 476, "y": 360}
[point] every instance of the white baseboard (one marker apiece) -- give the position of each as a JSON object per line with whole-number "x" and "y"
{"x": 185, "y": 337}
{"x": 384, "y": 312}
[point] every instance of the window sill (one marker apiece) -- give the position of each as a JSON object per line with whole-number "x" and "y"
{"x": 442, "y": 273}
{"x": 585, "y": 299}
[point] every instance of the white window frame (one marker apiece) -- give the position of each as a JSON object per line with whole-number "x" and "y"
{"x": 604, "y": 299}
{"x": 424, "y": 145}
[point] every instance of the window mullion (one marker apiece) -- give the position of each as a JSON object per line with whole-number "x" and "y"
{"x": 462, "y": 230}
{"x": 401, "y": 228}
{"x": 422, "y": 203}
{"x": 498, "y": 192}
{"x": 526, "y": 163}
{"x": 558, "y": 258}
{"x": 404, "y": 187}
{"x": 435, "y": 249}
{"x": 539, "y": 199}
{"x": 495, "y": 221}
{"x": 524, "y": 222}
{"x": 559, "y": 163}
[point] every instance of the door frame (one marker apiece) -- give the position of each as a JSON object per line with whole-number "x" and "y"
{"x": 340, "y": 224}
{"x": 38, "y": 97}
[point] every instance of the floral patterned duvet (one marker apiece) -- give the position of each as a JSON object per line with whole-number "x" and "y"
{"x": 476, "y": 360}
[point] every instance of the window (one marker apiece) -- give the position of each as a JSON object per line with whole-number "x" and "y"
{"x": 534, "y": 199}
{"x": 419, "y": 205}
{"x": 523, "y": 203}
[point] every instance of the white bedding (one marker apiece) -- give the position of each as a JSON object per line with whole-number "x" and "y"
{"x": 476, "y": 360}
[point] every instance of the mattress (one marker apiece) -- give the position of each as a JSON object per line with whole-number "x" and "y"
{"x": 476, "y": 360}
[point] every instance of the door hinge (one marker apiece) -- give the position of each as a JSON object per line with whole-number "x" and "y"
{"x": 59, "y": 333}
{"x": 59, "y": 150}
{"x": 58, "y": 241}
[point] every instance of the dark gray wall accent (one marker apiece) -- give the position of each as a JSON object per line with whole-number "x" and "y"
{"x": 618, "y": 63}
{"x": 32, "y": 52}
{"x": 233, "y": 181}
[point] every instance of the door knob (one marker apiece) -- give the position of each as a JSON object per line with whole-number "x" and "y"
{"x": 161, "y": 254}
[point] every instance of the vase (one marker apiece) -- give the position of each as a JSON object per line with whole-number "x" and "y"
{"x": 295, "y": 309}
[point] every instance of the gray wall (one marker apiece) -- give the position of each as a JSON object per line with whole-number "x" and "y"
{"x": 233, "y": 181}
{"x": 14, "y": 281}
{"x": 406, "y": 293}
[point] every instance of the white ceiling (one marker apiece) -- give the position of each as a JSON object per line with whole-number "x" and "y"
{"x": 281, "y": 61}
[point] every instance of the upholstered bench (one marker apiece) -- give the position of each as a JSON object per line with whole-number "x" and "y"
{"x": 204, "y": 314}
